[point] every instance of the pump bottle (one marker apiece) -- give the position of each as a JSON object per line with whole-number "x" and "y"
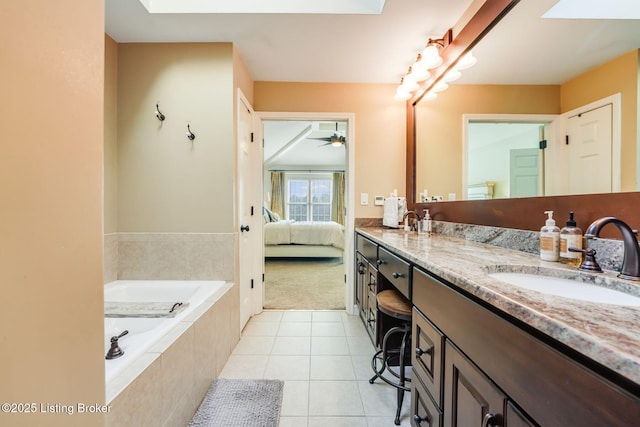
{"x": 570, "y": 237}
{"x": 550, "y": 239}
{"x": 426, "y": 222}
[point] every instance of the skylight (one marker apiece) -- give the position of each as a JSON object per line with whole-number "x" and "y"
{"x": 595, "y": 9}
{"x": 363, "y": 7}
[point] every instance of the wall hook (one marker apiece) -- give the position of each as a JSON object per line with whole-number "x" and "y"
{"x": 159, "y": 115}
{"x": 190, "y": 134}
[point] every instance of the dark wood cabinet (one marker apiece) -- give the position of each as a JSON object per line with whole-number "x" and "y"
{"x": 425, "y": 413}
{"x": 366, "y": 284}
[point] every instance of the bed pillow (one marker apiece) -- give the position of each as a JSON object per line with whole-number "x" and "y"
{"x": 269, "y": 216}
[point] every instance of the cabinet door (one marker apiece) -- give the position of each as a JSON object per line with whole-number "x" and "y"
{"x": 470, "y": 398}
{"x": 361, "y": 271}
{"x": 424, "y": 412}
{"x": 515, "y": 418}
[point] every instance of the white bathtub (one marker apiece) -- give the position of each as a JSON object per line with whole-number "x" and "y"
{"x": 145, "y": 332}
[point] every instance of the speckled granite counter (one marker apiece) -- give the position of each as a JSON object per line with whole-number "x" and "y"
{"x": 607, "y": 334}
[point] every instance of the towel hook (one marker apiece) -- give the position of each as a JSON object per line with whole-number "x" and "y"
{"x": 159, "y": 115}
{"x": 190, "y": 134}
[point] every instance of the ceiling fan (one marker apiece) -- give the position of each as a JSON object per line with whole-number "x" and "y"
{"x": 335, "y": 140}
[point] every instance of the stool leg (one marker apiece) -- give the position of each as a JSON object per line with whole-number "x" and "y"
{"x": 402, "y": 378}
{"x": 384, "y": 355}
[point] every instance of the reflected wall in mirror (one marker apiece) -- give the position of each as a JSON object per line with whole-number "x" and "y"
{"x": 566, "y": 65}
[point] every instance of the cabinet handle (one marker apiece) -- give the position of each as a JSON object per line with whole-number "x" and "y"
{"x": 420, "y": 352}
{"x": 489, "y": 420}
{"x": 397, "y": 275}
{"x": 360, "y": 268}
{"x": 379, "y": 262}
{"x": 418, "y": 419}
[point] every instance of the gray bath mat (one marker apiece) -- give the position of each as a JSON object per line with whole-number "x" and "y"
{"x": 240, "y": 403}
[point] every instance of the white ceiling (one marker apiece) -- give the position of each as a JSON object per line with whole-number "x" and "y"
{"x": 378, "y": 48}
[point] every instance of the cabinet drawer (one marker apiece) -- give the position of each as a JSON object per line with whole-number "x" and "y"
{"x": 396, "y": 270}
{"x": 424, "y": 412}
{"x": 427, "y": 356}
{"x": 367, "y": 248}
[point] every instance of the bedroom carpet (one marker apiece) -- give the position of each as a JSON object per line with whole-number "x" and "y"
{"x": 304, "y": 284}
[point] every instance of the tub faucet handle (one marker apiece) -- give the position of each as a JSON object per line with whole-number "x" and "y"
{"x": 115, "y": 350}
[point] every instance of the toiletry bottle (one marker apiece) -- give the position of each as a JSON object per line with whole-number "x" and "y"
{"x": 570, "y": 237}
{"x": 550, "y": 239}
{"x": 426, "y": 222}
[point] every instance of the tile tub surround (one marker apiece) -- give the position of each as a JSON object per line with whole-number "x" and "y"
{"x": 606, "y": 334}
{"x": 166, "y": 385}
{"x": 170, "y": 256}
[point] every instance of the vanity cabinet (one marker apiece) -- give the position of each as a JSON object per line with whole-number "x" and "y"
{"x": 366, "y": 284}
{"x": 497, "y": 372}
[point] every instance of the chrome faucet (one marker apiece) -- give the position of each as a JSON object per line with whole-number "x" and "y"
{"x": 631, "y": 262}
{"x": 415, "y": 227}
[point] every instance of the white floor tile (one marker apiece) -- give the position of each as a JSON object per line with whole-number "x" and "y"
{"x": 261, "y": 329}
{"x": 293, "y": 422}
{"x": 291, "y": 346}
{"x": 380, "y": 399}
{"x": 334, "y": 398}
{"x": 294, "y": 329}
{"x": 327, "y": 329}
{"x": 331, "y": 368}
{"x": 337, "y": 422}
{"x": 243, "y": 366}
{"x": 295, "y": 399}
{"x": 296, "y": 316}
{"x": 329, "y": 345}
{"x": 254, "y": 345}
{"x": 361, "y": 346}
{"x": 388, "y": 421}
{"x": 355, "y": 328}
{"x": 287, "y": 368}
{"x": 268, "y": 316}
{"x": 327, "y": 316}
{"x": 362, "y": 367}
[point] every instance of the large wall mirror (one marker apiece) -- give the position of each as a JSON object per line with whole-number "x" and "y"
{"x": 539, "y": 73}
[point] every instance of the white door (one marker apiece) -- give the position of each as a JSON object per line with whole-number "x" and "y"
{"x": 590, "y": 151}
{"x": 524, "y": 172}
{"x": 249, "y": 215}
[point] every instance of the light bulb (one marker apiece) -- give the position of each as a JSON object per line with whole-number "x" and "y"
{"x": 430, "y": 96}
{"x": 402, "y": 95}
{"x": 440, "y": 86}
{"x": 467, "y": 61}
{"x": 409, "y": 85}
{"x": 430, "y": 58}
{"x": 417, "y": 74}
{"x": 451, "y": 75}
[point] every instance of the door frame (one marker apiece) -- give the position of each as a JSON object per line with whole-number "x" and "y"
{"x": 349, "y": 227}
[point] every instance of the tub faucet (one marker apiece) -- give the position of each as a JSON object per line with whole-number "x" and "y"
{"x": 631, "y": 261}
{"x": 415, "y": 227}
{"x": 115, "y": 351}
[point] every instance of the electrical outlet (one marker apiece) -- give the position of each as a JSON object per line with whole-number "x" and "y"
{"x": 364, "y": 199}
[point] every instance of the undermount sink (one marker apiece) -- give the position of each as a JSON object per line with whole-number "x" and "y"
{"x": 567, "y": 288}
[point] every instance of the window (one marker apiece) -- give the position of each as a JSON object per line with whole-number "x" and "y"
{"x": 308, "y": 196}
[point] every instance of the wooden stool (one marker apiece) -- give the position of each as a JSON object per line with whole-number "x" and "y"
{"x": 394, "y": 304}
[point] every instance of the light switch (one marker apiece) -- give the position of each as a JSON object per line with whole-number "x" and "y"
{"x": 364, "y": 199}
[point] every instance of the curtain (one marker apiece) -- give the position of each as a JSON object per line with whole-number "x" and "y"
{"x": 337, "y": 204}
{"x": 277, "y": 193}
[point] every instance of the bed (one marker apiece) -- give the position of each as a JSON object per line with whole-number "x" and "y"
{"x": 303, "y": 239}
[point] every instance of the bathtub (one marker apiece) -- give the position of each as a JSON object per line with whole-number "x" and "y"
{"x": 144, "y": 332}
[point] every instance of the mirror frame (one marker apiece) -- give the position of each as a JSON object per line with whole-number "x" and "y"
{"x": 508, "y": 213}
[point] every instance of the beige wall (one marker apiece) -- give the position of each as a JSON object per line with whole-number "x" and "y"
{"x": 165, "y": 182}
{"x": 110, "y": 135}
{"x": 379, "y": 129}
{"x": 51, "y": 335}
{"x": 617, "y": 76}
{"x": 439, "y": 127}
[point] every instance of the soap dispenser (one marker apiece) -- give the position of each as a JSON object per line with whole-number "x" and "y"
{"x": 570, "y": 237}
{"x": 550, "y": 239}
{"x": 426, "y": 222}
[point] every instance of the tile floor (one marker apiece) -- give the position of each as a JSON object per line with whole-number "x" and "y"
{"x": 324, "y": 359}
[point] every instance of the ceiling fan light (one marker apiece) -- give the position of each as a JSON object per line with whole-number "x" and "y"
{"x": 467, "y": 61}
{"x": 430, "y": 58}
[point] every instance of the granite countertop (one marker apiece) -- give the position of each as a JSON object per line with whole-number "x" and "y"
{"x": 607, "y": 334}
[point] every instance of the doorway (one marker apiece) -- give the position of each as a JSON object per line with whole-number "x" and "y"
{"x": 308, "y": 188}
